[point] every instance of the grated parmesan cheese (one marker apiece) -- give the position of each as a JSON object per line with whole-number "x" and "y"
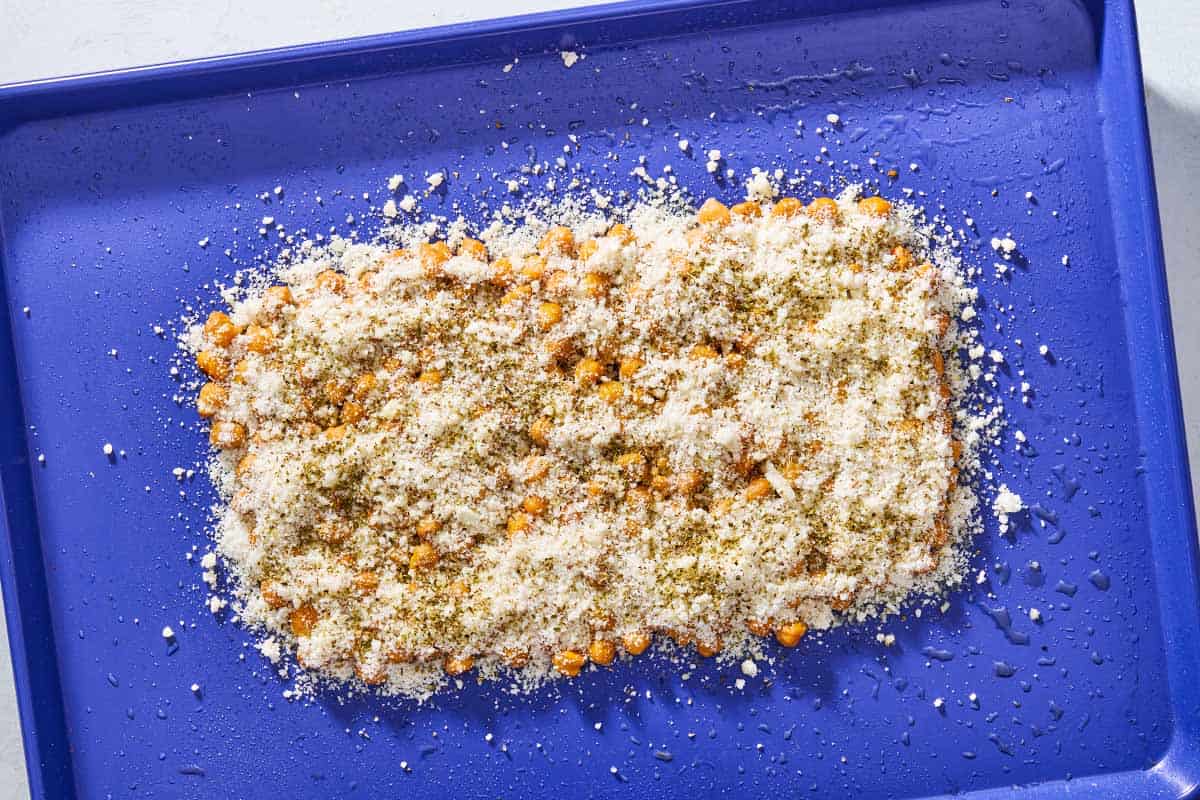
{"x": 525, "y": 452}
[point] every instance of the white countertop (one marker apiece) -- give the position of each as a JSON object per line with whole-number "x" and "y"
{"x": 55, "y": 37}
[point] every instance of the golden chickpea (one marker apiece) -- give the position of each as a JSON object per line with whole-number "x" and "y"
{"x": 758, "y": 627}
{"x": 595, "y": 284}
{"x": 352, "y": 412}
{"x": 457, "y": 665}
{"x": 635, "y": 643}
{"x": 539, "y": 431}
{"x": 602, "y": 651}
{"x": 588, "y": 371}
{"x": 747, "y": 210}
{"x": 713, "y": 212}
{"x": 790, "y": 634}
{"x": 629, "y": 367}
{"x": 335, "y": 392}
{"x": 366, "y": 279}
{"x": 708, "y": 649}
{"x": 427, "y": 527}
{"x": 227, "y": 435}
{"x": 473, "y": 248}
{"x": 554, "y": 281}
{"x": 212, "y": 365}
{"x": 212, "y": 398}
{"x": 721, "y": 506}
{"x": 240, "y": 371}
{"x": 536, "y": 468}
{"x": 633, "y": 464}
{"x": 758, "y": 489}
{"x": 549, "y": 314}
{"x": 558, "y": 240}
{"x": 371, "y": 675}
{"x": 433, "y": 255}
{"x": 514, "y": 658}
{"x": 534, "y": 505}
{"x": 611, "y": 391}
{"x": 330, "y": 281}
{"x": 303, "y": 620}
{"x": 363, "y": 385}
{"x": 824, "y": 209}
{"x": 902, "y": 258}
{"x": 430, "y": 378}
{"x": 259, "y": 339}
{"x": 569, "y": 662}
{"x": 703, "y": 351}
{"x": 518, "y": 523}
{"x": 691, "y": 482}
{"x": 279, "y": 296}
{"x": 516, "y": 294}
{"x": 219, "y": 329}
{"x": 622, "y": 233}
{"x": 533, "y": 268}
{"x": 874, "y": 206}
{"x": 787, "y": 207}
{"x": 335, "y": 433}
{"x": 587, "y": 249}
{"x": 423, "y": 557}
{"x": 502, "y": 272}
{"x": 270, "y": 595}
{"x": 245, "y": 463}
{"x": 366, "y": 581}
{"x": 400, "y": 655}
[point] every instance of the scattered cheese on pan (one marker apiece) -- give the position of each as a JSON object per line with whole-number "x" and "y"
{"x": 540, "y": 450}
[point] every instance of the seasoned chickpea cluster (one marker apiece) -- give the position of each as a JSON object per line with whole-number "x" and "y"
{"x": 534, "y": 454}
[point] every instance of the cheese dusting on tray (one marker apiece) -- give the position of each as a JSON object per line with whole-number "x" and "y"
{"x": 541, "y": 450}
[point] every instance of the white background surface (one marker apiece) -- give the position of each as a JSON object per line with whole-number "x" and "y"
{"x": 44, "y": 39}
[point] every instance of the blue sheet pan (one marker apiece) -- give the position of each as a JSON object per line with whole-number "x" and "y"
{"x": 108, "y": 182}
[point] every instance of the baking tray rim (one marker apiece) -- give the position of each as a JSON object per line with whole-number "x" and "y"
{"x": 1170, "y": 507}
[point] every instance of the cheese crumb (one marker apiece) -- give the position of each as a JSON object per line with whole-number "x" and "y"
{"x": 1006, "y": 503}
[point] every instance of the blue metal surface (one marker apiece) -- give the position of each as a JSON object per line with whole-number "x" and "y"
{"x": 107, "y": 183}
